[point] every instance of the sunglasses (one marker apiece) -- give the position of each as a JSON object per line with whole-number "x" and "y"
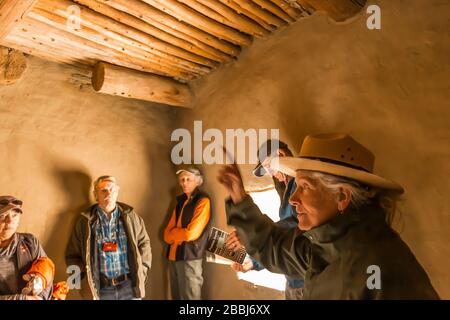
{"x": 5, "y": 202}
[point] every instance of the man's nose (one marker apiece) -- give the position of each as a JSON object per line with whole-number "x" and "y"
{"x": 292, "y": 200}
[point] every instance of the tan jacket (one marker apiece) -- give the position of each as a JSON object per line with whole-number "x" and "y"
{"x": 82, "y": 252}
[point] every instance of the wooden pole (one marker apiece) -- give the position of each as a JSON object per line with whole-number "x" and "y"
{"x": 338, "y": 10}
{"x": 168, "y": 23}
{"x": 294, "y": 13}
{"x": 232, "y": 4}
{"x": 105, "y": 31}
{"x": 135, "y": 22}
{"x": 225, "y": 15}
{"x": 260, "y": 12}
{"x": 194, "y": 18}
{"x": 13, "y": 64}
{"x": 46, "y": 54}
{"x": 56, "y": 38}
{"x": 120, "y": 30}
{"x": 109, "y": 47}
{"x": 11, "y": 13}
{"x": 274, "y": 9}
{"x": 114, "y": 80}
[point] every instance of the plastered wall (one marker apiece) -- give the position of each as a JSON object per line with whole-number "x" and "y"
{"x": 388, "y": 88}
{"x": 55, "y": 139}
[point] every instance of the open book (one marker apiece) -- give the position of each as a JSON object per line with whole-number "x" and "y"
{"x": 216, "y": 245}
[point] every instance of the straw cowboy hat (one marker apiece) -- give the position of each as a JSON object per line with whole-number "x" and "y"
{"x": 337, "y": 154}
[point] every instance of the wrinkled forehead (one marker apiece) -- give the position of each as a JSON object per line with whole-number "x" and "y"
{"x": 106, "y": 184}
{"x": 186, "y": 174}
{"x": 305, "y": 175}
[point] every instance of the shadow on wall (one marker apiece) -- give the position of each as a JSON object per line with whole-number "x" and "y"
{"x": 76, "y": 187}
{"x": 162, "y": 198}
{"x": 174, "y": 191}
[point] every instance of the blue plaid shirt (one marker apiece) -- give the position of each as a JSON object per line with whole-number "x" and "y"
{"x": 112, "y": 264}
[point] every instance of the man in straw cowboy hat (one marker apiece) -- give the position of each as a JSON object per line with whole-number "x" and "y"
{"x": 345, "y": 247}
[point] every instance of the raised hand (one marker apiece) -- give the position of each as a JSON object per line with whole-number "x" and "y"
{"x": 230, "y": 177}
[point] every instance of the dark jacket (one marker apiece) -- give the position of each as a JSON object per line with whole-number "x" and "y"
{"x": 26, "y": 250}
{"x": 189, "y": 239}
{"x": 336, "y": 258}
{"x": 288, "y": 220}
{"x": 82, "y": 250}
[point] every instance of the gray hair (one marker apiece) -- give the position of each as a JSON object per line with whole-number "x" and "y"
{"x": 103, "y": 178}
{"x": 197, "y": 174}
{"x": 361, "y": 194}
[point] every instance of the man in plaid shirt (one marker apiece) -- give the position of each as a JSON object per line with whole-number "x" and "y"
{"x": 112, "y": 263}
{"x": 111, "y": 246}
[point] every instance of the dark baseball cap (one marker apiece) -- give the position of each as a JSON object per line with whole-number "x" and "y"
{"x": 9, "y": 202}
{"x": 267, "y": 149}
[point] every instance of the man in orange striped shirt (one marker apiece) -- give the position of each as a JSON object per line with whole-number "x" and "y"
{"x": 186, "y": 235}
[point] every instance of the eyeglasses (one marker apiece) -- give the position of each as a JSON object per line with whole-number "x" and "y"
{"x": 5, "y": 202}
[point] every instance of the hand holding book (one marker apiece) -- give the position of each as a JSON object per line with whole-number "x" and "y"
{"x": 233, "y": 242}
{"x": 226, "y": 245}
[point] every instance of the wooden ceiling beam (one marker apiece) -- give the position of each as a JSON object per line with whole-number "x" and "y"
{"x": 109, "y": 46}
{"x": 169, "y": 42}
{"x": 260, "y": 12}
{"x": 54, "y": 37}
{"x": 46, "y": 53}
{"x": 242, "y": 11}
{"x": 11, "y": 13}
{"x": 198, "y": 20}
{"x": 225, "y": 15}
{"x": 169, "y": 24}
{"x": 114, "y": 80}
{"x": 105, "y": 31}
{"x": 162, "y": 30}
{"x": 293, "y": 12}
{"x": 117, "y": 26}
{"x": 274, "y": 9}
{"x": 338, "y": 10}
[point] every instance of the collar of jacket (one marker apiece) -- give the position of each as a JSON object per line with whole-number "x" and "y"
{"x": 339, "y": 225}
{"x": 11, "y": 248}
{"x": 182, "y": 197}
{"x": 91, "y": 214}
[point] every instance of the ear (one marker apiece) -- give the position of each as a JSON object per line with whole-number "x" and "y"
{"x": 344, "y": 198}
{"x": 95, "y": 195}
{"x": 281, "y": 153}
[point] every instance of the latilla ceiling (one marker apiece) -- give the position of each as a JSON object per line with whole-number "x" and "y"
{"x": 179, "y": 39}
